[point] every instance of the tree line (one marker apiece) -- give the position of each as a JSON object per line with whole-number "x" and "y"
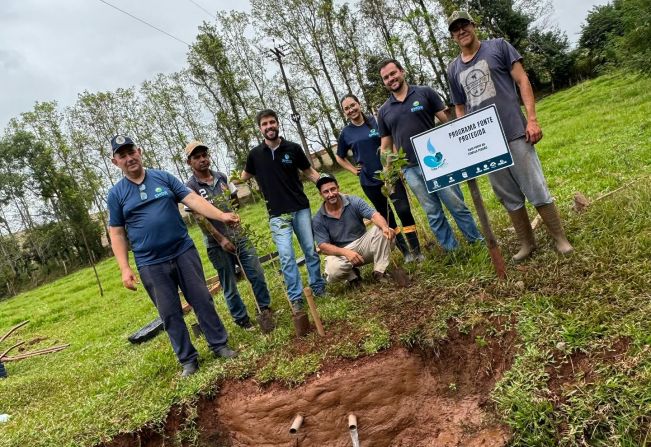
{"x": 55, "y": 167}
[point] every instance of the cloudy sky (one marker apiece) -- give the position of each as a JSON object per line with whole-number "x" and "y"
{"x": 53, "y": 50}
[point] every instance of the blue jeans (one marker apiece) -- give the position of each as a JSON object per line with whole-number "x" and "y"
{"x": 452, "y": 197}
{"x": 162, "y": 282}
{"x": 282, "y": 227}
{"x": 224, "y": 263}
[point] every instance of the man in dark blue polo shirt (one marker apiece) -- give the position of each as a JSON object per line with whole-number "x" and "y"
{"x": 341, "y": 235}
{"x": 232, "y": 244}
{"x": 408, "y": 111}
{"x": 275, "y": 164}
{"x": 143, "y": 211}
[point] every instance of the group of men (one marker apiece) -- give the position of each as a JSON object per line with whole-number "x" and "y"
{"x": 143, "y": 206}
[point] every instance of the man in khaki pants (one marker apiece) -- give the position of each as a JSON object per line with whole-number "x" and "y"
{"x": 341, "y": 235}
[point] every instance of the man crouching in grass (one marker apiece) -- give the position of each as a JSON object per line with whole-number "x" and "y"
{"x": 143, "y": 207}
{"x": 341, "y": 235}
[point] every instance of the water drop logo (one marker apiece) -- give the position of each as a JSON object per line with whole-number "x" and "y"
{"x": 158, "y": 189}
{"x": 435, "y": 160}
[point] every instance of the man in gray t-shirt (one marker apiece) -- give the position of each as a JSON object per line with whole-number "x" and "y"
{"x": 487, "y": 72}
{"x": 340, "y": 234}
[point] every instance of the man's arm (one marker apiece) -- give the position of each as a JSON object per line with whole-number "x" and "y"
{"x": 533, "y": 132}
{"x": 442, "y": 116}
{"x": 222, "y": 240}
{"x": 312, "y": 174}
{"x": 200, "y": 205}
{"x": 120, "y": 248}
{"x": 332, "y": 250}
{"x": 382, "y": 224}
{"x": 460, "y": 110}
{"x": 246, "y": 176}
{"x": 386, "y": 144}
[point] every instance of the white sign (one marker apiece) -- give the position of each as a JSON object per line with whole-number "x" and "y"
{"x": 462, "y": 149}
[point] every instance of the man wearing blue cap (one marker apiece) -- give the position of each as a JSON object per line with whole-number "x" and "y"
{"x": 143, "y": 208}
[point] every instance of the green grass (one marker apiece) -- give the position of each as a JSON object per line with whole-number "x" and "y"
{"x": 597, "y": 138}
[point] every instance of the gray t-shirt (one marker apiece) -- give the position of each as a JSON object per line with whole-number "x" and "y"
{"x": 485, "y": 80}
{"x": 348, "y": 228}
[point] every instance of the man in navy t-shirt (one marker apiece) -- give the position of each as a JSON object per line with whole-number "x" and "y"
{"x": 409, "y": 111}
{"x": 143, "y": 211}
{"x": 486, "y": 73}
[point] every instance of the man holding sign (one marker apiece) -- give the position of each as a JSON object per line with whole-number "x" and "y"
{"x": 409, "y": 111}
{"x": 486, "y": 73}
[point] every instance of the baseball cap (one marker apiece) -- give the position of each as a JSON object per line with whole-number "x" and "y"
{"x": 119, "y": 141}
{"x": 459, "y": 15}
{"x": 192, "y": 146}
{"x": 325, "y": 178}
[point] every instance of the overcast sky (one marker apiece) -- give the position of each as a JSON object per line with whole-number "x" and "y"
{"x": 53, "y": 50}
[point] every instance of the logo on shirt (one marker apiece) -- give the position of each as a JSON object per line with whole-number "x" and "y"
{"x": 373, "y": 133}
{"x": 286, "y": 160}
{"x": 477, "y": 83}
{"x": 435, "y": 160}
{"x": 160, "y": 192}
{"x": 417, "y": 106}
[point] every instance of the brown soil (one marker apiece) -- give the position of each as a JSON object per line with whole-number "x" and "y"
{"x": 436, "y": 398}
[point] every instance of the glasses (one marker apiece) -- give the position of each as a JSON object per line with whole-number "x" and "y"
{"x": 143, "y": 194}
{"x": 458, "y": 27}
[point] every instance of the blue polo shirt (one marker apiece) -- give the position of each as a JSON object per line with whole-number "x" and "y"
{"x": 403, "y": 120}
{"x": 364, "y": 140}
{"x": 153, "y": 223}
{"x": 348, "y": 228}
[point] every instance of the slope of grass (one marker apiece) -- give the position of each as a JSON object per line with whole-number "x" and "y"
{"x": 597, "y": 138}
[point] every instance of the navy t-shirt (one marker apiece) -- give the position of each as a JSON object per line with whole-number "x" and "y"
{"x": 153, "y": 224}
{"x": 348, "y": 228}
{"x": 277, "y": 175}
{"x": 403, "y": 120}
{"x": 485, "y": 80}
{"x": 364, "y": 140}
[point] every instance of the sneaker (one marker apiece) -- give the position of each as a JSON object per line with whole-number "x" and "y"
{"x": 320, "y": 294}
{"x": 409, "y": 258}
{"x": 419, "y": 257}
{"x": 357, "y": 273}
{"x": 354, "y": 283}
{"x": 225, "y": 352}
{"x": 190, "y": 368}
{"x": 246, "y": 325}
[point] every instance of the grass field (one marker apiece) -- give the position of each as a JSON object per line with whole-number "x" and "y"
{"x": 597, "y": 139}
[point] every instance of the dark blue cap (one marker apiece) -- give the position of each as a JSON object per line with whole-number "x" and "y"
{"x": 119, "y": 141}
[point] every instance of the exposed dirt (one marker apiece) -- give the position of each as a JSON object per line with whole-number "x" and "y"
{"x": 434, "y": 398}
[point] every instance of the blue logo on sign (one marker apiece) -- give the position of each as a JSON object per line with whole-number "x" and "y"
{"x": 435, "y": 160}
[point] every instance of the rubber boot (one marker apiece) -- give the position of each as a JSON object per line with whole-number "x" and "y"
{"x": 401, "y": 243}
{"x": 414, "y": 243}
{"x": 523, "y": 231}
{"x": 552, "y": 220}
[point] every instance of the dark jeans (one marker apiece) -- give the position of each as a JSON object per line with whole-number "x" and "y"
{"x": 162, "y": 282}
{"x": 399, "y": 199}
{"x": 224, "y": 263}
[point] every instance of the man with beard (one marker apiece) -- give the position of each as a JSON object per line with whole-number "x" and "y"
{"x": 232, "y": 245}
{"x": 143, "y": 211}
{"x": 341, "y": 235}
{"x": 486, "y": 73}
{"x": 408, "y": 111}
{"x": 275, "y": 164}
